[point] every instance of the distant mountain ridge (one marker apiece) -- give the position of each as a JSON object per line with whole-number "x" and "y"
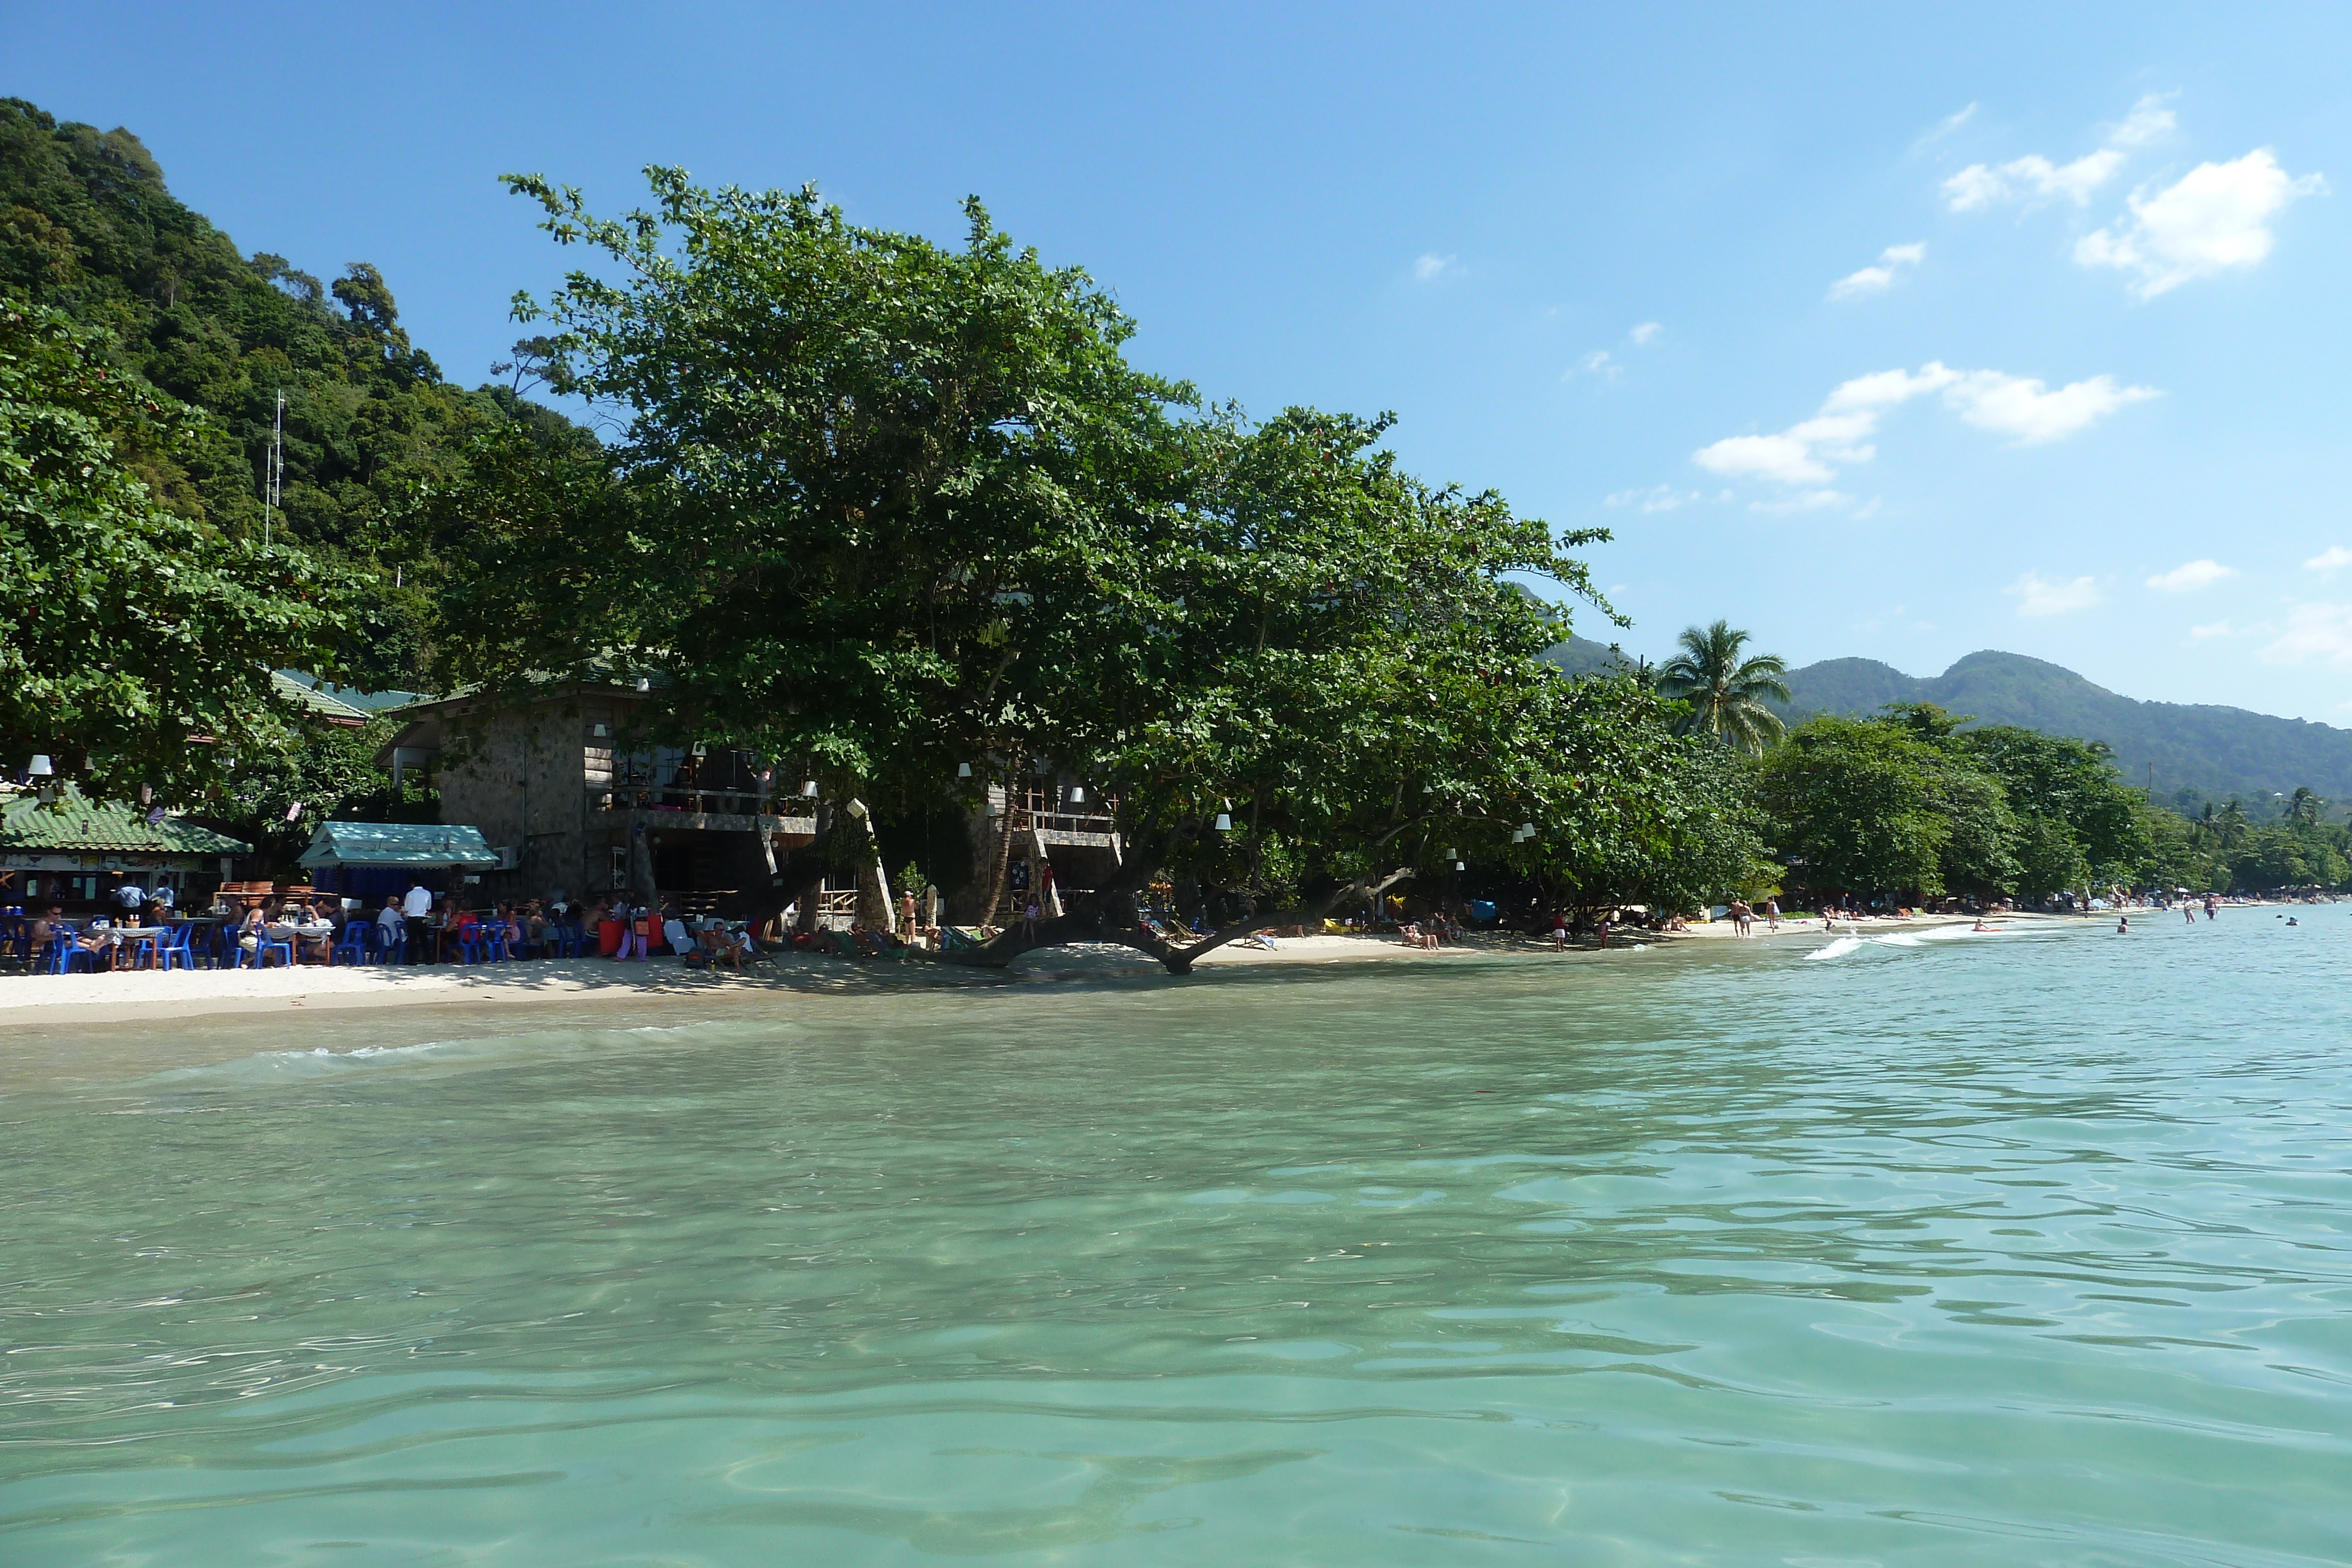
{"x": 2198, "y": 751}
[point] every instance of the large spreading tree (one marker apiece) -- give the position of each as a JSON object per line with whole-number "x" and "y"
{"x": 884, "y": 510}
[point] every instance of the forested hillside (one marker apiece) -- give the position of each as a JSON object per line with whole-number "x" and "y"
{"x": 2197, "y": 752}
{"x": 88, "y": 227}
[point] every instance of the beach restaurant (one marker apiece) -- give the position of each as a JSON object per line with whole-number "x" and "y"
{"x": 369, "y": 860}
{"x": 75, "y": 852}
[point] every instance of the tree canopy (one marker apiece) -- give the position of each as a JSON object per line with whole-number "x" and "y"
{"x": 133, "y": 628}
{"x": 889, "y": 510}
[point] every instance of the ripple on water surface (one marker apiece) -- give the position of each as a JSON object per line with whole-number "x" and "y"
{"x": 1945, "y": 1252}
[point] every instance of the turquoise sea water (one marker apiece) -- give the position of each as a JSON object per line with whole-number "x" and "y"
{"x": 2034, "y": 1248}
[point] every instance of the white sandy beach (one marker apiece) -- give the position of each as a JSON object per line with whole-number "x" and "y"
{"x": 149, "y": 995}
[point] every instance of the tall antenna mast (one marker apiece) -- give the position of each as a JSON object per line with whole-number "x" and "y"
{"x": 273, "y": 480}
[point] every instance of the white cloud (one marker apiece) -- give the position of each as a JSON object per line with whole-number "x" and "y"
{"x": 1784, "y": 458}
{"x": 2036, "y": 178}
{"x": 1646, "y": 332}
{"x": 2334, "y": 558}
{"x": 2190, "y": 577}
{"x": 1656, "y": 498}
{"x": 1596, "y": 363}
{"x": 2022, "y": 406}
{"x": 2215, "y": 217}
{"x": 1433, "y": 266}
{"x": 1978, "y": 186}
{"x": 2313, "y": 630}
{"x": 1873, "y": 279}
{"x": 2147, "y": 120}
{"x": 1946, "y": 126}
{"x": 2037, "y": 596}
{"x": 2212, "y": 629}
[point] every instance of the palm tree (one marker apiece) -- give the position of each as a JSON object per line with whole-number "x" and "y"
{"x": 1726, "y": 693}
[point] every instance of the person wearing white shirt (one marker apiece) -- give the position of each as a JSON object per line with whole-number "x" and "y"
{"x": 418, "y": 903}
{"x": 130, "y": 896}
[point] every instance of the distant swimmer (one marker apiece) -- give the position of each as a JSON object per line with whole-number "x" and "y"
{"x": 2290, "y": 920}
{"x": 2123, "y": 926}
{"x": 2189, "y": 913}
{"x": 1981, "y": 926}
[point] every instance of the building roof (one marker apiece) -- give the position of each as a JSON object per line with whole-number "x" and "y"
{"x": 363, "y": 703}
{"x": 73, "y": 823}
{"x": 313, "y": 700}
{"x": 397, "y": 844}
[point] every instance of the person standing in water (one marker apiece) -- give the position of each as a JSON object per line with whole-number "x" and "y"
{"x": 2123, "y": 924}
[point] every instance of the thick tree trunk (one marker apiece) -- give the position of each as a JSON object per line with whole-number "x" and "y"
{"x": 1108, "y": 915}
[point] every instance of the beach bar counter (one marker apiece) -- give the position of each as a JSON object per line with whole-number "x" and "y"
{"x": 369, "y": 860}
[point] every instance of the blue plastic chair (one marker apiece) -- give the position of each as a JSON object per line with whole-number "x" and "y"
{"x": 470, "y": 946}
{"x": 353, "y": 947}
{"x": 258, "y": 959}
{"x": 61, "y": 955}
{"x": 177, "y": 951}
{"x": 393, "y": 949}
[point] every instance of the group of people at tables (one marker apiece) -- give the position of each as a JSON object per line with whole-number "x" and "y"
{"x": 428, "y": 930}
{"x": 417, "y": 926}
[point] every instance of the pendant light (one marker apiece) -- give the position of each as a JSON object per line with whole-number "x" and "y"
{"x": 1224, "y": 823}
{"x": 40, "y": 767}
{"x": 963, "y": 769}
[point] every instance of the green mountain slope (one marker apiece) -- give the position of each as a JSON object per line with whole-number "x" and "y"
{"x": 2196, "y": 752}
{"x": 87, "y": 226}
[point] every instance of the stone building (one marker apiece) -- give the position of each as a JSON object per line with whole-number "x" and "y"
{"x": 546, "y": 783}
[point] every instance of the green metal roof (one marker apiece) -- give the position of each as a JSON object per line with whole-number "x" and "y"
{"x": 397, "y": 844}
{"x": 312, "y": 700}
{"x": 73, "y": 823}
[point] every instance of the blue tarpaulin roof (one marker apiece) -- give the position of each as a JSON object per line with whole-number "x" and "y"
{"x": 397, "y": 844}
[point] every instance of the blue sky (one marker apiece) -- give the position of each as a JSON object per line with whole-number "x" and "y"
{"x": 1879, "y": 332}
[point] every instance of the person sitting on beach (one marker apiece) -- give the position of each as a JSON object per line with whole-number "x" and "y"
{"x": 725, "y": 946}
{"x": 253, "y": 931}
{"x": 391, "y": 925}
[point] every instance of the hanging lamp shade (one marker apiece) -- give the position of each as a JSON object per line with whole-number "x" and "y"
{"x": 808, "y": 790}
{"x": 1224, "y": 823}
{"x": 963, "y": 769}
{"x": 40, "y": 767}
{"x": 1077, "y": 795}
{"x": 1450, "y": 853}
{"x": 1527, "y": 830}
